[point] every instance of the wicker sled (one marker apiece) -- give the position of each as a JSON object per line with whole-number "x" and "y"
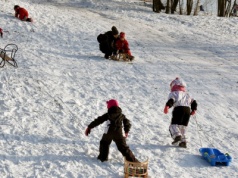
{"x": 136, "y": 169}
{"x": 8, "y": 54}
{"x": 122, "y": 57}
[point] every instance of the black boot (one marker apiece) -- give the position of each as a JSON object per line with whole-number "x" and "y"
{"x": 102, "y": 159}
{"x": 177, "y": 139}
{"x": 106, "y": 56}
{"x": 131, "y": 58}
{"x": 183, "y": 144}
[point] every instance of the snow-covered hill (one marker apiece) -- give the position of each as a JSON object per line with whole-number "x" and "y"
{"x": 63, "y": 82}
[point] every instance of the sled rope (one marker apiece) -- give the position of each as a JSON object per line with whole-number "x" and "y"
{"x": 199, "y": 128}
{"x": 195, "y": 118}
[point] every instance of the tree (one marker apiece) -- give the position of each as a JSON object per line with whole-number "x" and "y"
{"x": 157, "y": 5}
{"x": 174, "y": 6}
{"x": 189, "y": 6}
{"x": 196, "y": 8}
{"x": 228, "y": 8}
{"x": 181, "y": 7}
{"x": 168, "y": 7}
{"x": 221, "y": 8}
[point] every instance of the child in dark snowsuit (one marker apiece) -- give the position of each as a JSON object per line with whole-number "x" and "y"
{"x": 114, "y": 121}
{"x": 181, "y": 101}
{"x": 107, "y": 42}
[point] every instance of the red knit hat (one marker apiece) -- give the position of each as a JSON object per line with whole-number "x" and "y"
{"x": 112, "y": 103}
{"x": 122, "y": 35}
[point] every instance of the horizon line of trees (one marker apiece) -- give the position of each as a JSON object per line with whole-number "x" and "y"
{"x": 225, "y": 7}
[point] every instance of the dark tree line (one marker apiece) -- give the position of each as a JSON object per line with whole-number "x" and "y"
{"x": 171, "y": 6}
{"x": 224, "y": 7}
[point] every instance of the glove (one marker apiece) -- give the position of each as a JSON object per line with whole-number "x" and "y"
{"x": 193, "y": 112}
{"x": 126, "y": 134}
{"x": 87, "y": 131}
{"x": 166, "y": 109}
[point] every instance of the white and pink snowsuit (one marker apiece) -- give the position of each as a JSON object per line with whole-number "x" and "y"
{"x": 181, "y": 101}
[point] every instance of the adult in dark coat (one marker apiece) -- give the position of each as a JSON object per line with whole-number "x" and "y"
{"x": 115, "y": 120}
{"x": 107, "y": 42}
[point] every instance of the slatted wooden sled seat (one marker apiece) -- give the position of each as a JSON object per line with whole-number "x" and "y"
{"x": 122, "y": 57}
{"x": 136, "y": 169}
{"x": 8, "y": 55}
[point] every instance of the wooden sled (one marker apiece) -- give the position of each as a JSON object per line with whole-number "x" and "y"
{"x": 122, "y": 57}
{"x": 8, "y": 54}
{"x": 136, "y": 169}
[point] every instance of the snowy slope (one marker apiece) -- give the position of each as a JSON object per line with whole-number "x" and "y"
{"x": 63, "y": 82}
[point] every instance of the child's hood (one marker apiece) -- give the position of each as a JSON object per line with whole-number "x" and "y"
{"x": 114, "y": 113}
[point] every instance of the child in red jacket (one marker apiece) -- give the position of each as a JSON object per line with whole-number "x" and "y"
{"x": 123, "y": 46}
{"x": 22, "y": 13}
{"x": 1, "y": 32}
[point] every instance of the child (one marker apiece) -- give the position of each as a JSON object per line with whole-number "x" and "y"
{"x": 181, "y": 101}
{"x": 1, "y": 32}
{"x": 113, "y": 131}
{"x": 123, "y": 46}
{"x": 22, "y": 14}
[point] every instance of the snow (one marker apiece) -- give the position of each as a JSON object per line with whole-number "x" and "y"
{"x": 63, "y": 82}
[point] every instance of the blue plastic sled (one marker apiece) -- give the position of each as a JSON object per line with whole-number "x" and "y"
{"x": 214, "y": 156}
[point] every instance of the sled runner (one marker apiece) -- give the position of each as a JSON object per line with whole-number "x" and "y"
{"x": 122, "y": 57}
{"x": 214, "y": 156}
{"x": 8, "y": 54}
{"x": 136, "y": 169}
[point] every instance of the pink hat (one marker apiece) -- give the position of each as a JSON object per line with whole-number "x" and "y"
{"x": 112, "y": 103}
{"x": 178, "y": 85}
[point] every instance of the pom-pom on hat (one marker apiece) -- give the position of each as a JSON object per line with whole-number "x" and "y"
{"x": 114, "y": 30}
{"x": 122, "y": 35}
{"x": 112, "y": 103}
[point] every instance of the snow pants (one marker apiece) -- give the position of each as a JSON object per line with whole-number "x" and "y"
{"x": 121, "y": 146}
{"x": 180, "y": 120}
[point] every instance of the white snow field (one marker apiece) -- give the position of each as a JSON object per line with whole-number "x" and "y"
{"x": 63, "y": 82}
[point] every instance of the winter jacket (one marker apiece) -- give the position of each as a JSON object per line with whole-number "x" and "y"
{"x": 1, "y": 33}
{"x": 123, "y": 46}
{"x": 21, "y": 13}
{"x": 180, "y": 98}
{"x": 107, "y": 42}
{"x": 115, "y": 120}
